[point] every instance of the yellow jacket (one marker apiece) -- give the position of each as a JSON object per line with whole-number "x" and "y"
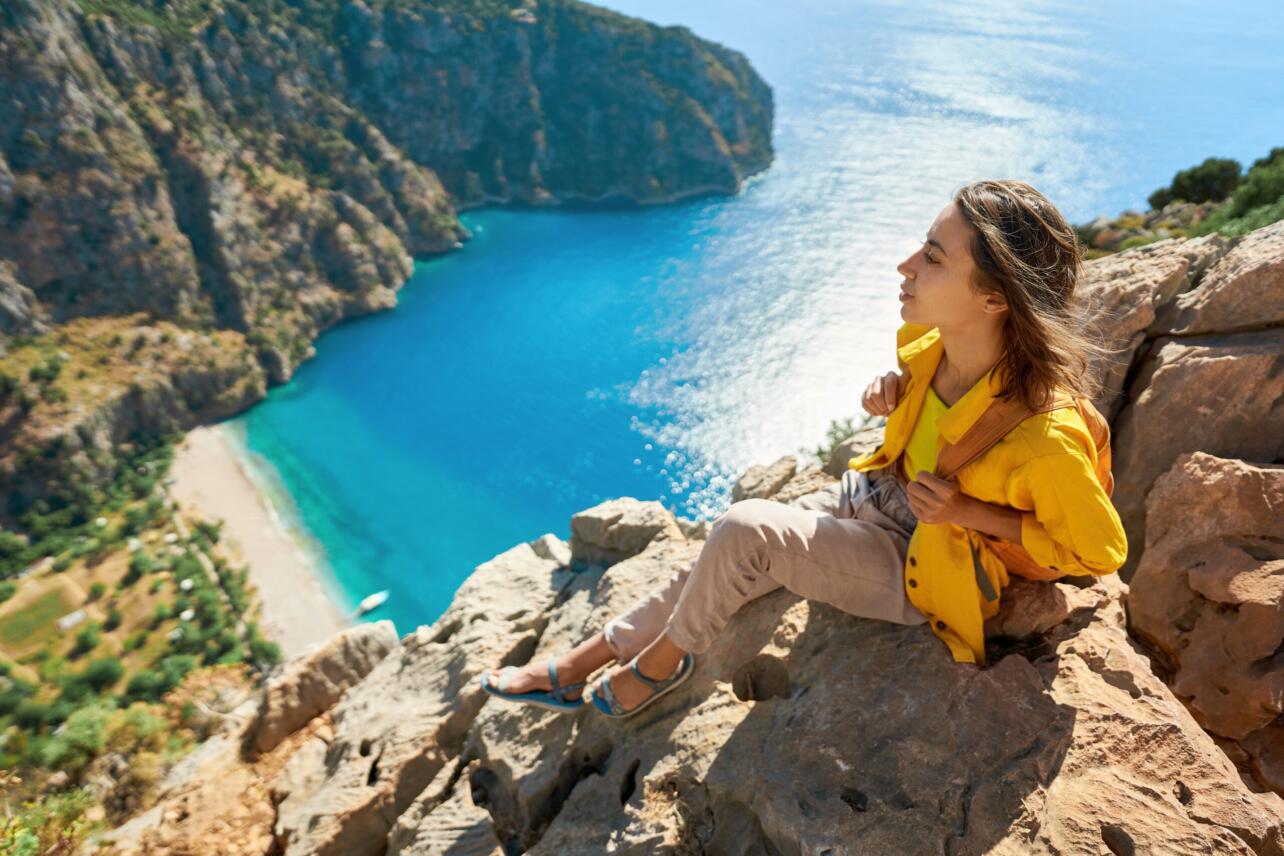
{"x": 1045, "y": 467}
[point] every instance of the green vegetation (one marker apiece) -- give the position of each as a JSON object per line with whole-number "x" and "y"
{"x": 67, "y": 698}
{"x": 1251, "y": 202}
{"x": 65, "y": 526}
{"x": 55, "y": 824}
{"x": 35, "y": 619}
{"x": 174, "y": 20}
{"x": 1211, "y": 181}
{"x": 838, "y": 431}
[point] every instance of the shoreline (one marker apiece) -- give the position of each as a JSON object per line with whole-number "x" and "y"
{"x": 214, "y": 474}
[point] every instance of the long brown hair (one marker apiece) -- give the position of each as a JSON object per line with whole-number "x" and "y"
{"x": 1026, "y": 251}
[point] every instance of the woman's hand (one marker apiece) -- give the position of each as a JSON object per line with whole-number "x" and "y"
{"x": 884, "y": 393}
{"x": 935, "y": 500}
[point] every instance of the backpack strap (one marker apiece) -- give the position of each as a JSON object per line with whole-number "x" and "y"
{"x": 991, "y": 427}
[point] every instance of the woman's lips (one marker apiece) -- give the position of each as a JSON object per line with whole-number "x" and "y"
{"x": 906, "y": 296}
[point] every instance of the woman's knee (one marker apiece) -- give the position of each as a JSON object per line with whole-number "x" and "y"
{"x": 747, "y": 518}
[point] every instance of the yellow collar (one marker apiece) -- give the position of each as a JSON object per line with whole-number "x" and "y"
{"x": 922, "y": 355}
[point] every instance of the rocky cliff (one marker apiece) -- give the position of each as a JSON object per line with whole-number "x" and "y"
{"x": 269, "y": 168}
{"x": 1113, "y": 717}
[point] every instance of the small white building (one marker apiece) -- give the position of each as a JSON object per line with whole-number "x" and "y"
{"x": 71, "y": 619}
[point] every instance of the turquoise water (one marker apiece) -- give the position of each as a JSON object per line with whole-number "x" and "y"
{"x": 561, "y": 358}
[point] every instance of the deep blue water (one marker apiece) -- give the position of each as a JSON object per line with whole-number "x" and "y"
{"x": 561, "y": 358}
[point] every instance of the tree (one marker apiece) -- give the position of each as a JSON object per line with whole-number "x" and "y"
{"x": 1211, "y": 181}
{"x": 87, "y": 639}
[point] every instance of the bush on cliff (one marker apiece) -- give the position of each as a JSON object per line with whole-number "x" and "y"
{"x": 1211, "y": 181}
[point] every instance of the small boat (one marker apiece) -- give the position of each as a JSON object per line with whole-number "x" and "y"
{"x": 372, "y": 601}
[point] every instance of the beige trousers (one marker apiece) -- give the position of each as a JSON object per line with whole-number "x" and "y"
{"x": 843, "y": 545}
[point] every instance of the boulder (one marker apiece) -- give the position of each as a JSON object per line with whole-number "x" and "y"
{"x": 867, "y": 439}
{"x": 1244, "y": 290}
{"x": 761, "y": 482}
{"x": 397, "y": 728}
{"x": 618, "y": 528}
{"x": 1220, "y": 394}
{"x": 1208, "y": 593}
{"x": 1125, "y": 292}
{"x": 805, "y": 729}
{"x": 303, "y": 687}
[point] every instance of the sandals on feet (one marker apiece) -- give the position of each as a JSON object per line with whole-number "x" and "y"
{"x": 609, "y": 705}
{"x": 553, "y": 700}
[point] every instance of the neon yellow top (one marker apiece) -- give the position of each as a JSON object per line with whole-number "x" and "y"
{"x": 920, "y": 452}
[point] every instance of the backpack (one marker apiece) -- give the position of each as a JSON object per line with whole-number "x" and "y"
{"x": 998, "y": 419}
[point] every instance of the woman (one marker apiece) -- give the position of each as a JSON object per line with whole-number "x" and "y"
{"x": 989, "y": 301}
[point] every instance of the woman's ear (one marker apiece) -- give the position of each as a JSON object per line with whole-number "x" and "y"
{"x": 994, "y": 303}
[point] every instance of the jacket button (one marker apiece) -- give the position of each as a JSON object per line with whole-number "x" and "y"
{"x": 940, "y": 625}
{"x": 913, "y": 583}
{"x": 913, "y": 561}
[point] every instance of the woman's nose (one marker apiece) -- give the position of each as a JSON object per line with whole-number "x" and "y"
{"x": 904, "y": 268}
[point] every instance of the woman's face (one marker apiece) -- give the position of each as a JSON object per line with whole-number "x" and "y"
{"x": 938, "y": 274}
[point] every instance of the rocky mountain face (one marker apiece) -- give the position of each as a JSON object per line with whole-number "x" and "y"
{"x": 1134, "y": 713}
{"x": 270, "y": 168}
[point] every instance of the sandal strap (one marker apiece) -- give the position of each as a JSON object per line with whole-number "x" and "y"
{"x": 652, "y": 682}
{"x": 611, "y": 701}
{"x": 558, "y": 691}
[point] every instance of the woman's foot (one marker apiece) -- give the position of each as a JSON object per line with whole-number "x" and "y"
{"x": 629, "y": 691}
{"x": 534, "y": 676}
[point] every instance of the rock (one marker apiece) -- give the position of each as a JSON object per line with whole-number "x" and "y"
{"x": 397, "y": 728}
{"x": 782, "y": 742}
{"x": 1219, "y": 394}
{"x": 865, "y": 440}
{"x": 1124, "y": 293}
{"x": 1209, "y": 591}
{"x": 1029, "y": 608}
{"x": 618, "y": 528}
{"x": 807, "y": 480}
{"x": 693, "y": 529}
{"x": 761, "y": 482}
{"x": 446, "y": 820}
{"x": 1244, "y": 290}
{"x": 303, "y": 687}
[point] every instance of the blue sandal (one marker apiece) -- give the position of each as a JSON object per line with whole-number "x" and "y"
{"x": 608, "y": 704}
{"x": 553, "y": 700}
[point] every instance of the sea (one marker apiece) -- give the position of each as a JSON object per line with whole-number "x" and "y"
{"x": 564, "y": 357}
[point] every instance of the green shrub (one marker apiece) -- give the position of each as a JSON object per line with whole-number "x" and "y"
{"x": 30, "y": 714}
{"x": 139, "y": 564}
{"x": 135, "y": 640}
{"x": 52, "y": 824}
{"x": 79, "y": 741}
{"x": 7, "y": 588}
{"x": 113, "y": 619}
{"x": 103, "y": 673}
{"x": 87, "y": 639}
{"x": 96, "y": 591}
{"x": 145, "y": 685}
{"x": 1211, "y": 181}
{"x": 1263, "y": 185}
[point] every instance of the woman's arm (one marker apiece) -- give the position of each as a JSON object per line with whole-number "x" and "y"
{"x": 1074, "y": 526}
{"x": 998, "y": 520}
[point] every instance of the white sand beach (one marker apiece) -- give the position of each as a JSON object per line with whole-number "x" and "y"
{"x": 210, "y": 476}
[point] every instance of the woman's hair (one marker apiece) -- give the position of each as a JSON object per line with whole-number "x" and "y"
{"x": 1026, "y": 251}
